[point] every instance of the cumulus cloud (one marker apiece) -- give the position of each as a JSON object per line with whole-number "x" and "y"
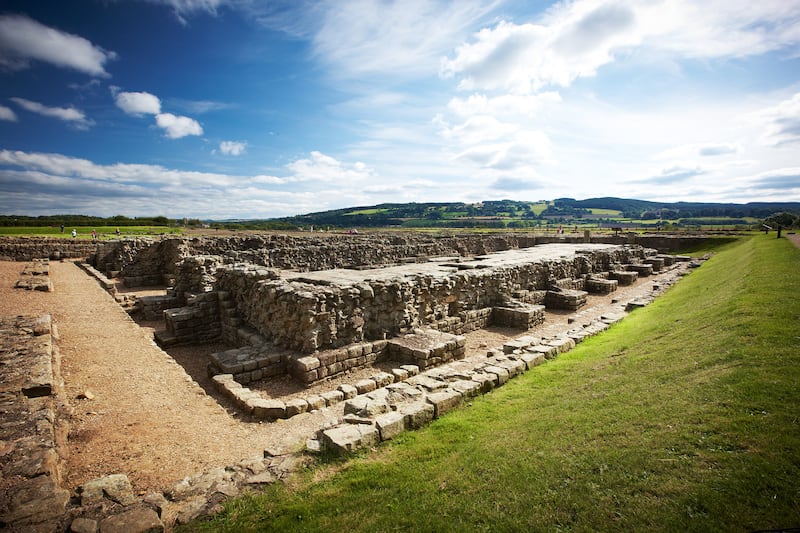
{"x": 176, "y": 127}
{"x": 6, "y": 113}
{"x": 575, "y": 39}
{"x": 138, "y": 103}
{"x": 321, "y": 167}
{"x": 71, "y": 115}
{"x": 782, "y": 123}
{"x": 23, "y": 39}
{"x": 232, "y": 147}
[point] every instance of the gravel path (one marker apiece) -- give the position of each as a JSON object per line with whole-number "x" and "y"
{"x": 156, "y": 420}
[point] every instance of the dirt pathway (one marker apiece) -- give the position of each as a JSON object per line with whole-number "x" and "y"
{"x": 148, "y": 418}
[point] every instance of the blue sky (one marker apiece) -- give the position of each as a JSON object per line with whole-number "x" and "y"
{"x": 252, "y": 109}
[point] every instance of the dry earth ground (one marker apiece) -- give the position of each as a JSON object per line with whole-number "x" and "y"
{"x": 159, "y": 421}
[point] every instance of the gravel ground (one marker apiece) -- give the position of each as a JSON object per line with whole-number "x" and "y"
{"x": 154, "y": 415}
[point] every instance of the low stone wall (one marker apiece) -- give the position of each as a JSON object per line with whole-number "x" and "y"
{"x": 30, "y": 248}
{"x": 31, "y": 497}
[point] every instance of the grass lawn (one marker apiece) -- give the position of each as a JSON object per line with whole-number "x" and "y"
{"x": 85, "y": 232}
{"x": 683, "y": 417}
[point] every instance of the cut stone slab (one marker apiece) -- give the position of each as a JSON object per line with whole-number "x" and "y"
{"x": 444, "y": 401}
{"x": 140, "y": 519}
{"x": 390, "y": 424}
{"x": 500, "y": 372}
{"x": 417, "y": 415}
{"x": 467, "y": 388}
{"x": 532, "y": 359}
{"x": 350, "y": 437}
{"x": 364, "y": 386}
{"x": 563, "y": 344}
{"x": 427, "y": 383}
{"x": 115, "y": 487}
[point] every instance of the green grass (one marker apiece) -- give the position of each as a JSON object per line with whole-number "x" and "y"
{"x": 683, "y": 417}
{"x": 86, "y": 232}
{"x": 609, "y": 213}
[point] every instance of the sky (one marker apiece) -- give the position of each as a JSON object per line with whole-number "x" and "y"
{"x": 248, "y": 109}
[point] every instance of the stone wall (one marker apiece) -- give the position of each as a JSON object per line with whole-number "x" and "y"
{"x": 30, "y": 248}
{"x": 308, "y": 315}
{"x": 31, "y": 498}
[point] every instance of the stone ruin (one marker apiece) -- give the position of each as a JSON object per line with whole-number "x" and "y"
{"x": 312, "y": 309}
{"x": 318, "y": 308}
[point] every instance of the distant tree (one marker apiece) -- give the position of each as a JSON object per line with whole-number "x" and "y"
{"x": 783, "y": 219}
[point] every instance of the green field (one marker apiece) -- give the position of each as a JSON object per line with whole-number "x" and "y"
{"x": 103, "y": 232}
{"x": 683, "y": 417}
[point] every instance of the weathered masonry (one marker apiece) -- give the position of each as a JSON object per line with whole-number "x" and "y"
{"x": 320, "y": 307}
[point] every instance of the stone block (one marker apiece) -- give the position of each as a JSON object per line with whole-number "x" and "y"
{"x": 563, "y": 344}
{"x": 532, "y": 359}
{"x": 295, "y": 406}
{"x": 467, "y": 388}
{"x": 382, "y": 379}
{"x": 444, "y": 401}
{"x": 315, "y": 402}
{"x": 399, "y": 374}
{"x": 138, "y": 519}
{"x": 545, "y": 349}
{"x": 417, "y": 415}
{"x": 305, "y": 364}
{"x": 500, "y": 372}
{"x": 424, "y": 382}
{"x": 390, "y": 424}
{"x": 412, "y": 370}
{"x": 364, "y": 386}
{"x": 348, "y": 391}
{"x": 486, "y": 380}
{"x": 350, "y": 437}
{"x": 267, "y": 409}
{"x": 333, "y": 397}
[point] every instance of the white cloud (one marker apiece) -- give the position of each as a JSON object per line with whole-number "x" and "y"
{"x": 177, "y": 126}
{"x": 6, "y": 113}
{"x": 232, "y": 147}
{"x": 23, "y": 39}
{"x": 574, "y": 39}
{"x": 782, "y": 123}
{"x": 391, "y": 37}
{"x": 68, "y": 114}
{"x": 45, "y": 182}
{"x": 184, "y": 8}
{"x": 138, "y": 103}
{"x": 321, "y": 167}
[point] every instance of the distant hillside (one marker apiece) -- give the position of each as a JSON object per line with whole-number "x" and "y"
{"x": 520, "y": 214}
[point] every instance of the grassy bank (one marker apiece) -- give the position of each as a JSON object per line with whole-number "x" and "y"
{"x": 685, "y": 416}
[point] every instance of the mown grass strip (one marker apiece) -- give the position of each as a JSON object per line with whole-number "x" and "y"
{"x": 682, "y": 417}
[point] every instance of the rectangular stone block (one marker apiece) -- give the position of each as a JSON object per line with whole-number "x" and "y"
{"x": 417, "y": 415}
{"x": 444, "y": 401}
{"x": 350, "y": 437}
{"x": 390, "y": 424}
{"x": 332, "y": 397}
{"x": 364, "y": 386}
{"x": 348, "y": 391}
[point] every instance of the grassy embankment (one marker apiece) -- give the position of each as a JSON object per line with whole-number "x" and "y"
{"x": 683, "y": 417}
